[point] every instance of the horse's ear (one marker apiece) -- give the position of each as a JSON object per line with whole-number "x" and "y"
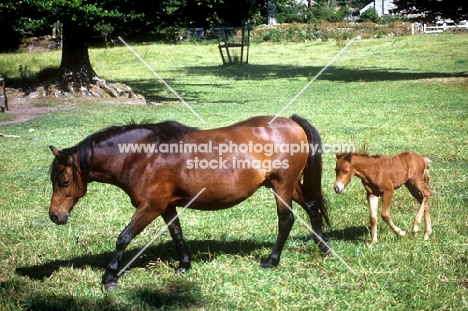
{"x": 344, "y": 155}
{"x": 54, "y": 150}
{"x": 348, "y": 156}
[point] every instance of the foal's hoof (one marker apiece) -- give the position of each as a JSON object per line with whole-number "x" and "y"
{"x": 371, "y": 244}
{"x": 111, "y": 286}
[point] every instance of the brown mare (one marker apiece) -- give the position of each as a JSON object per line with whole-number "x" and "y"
{"x": 158, "y": 182}
{"x": 381, "y": 175}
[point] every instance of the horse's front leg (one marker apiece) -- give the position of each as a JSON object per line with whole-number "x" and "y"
{"x": 109, "y": 279}
{"x": 172, "y": 220}
{"x": 373, "y": 209}
{"x": 386, "y": 199}
{"x": 142, "y": 217}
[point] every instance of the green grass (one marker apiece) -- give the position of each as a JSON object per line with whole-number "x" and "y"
{"x": 385, "y": 96}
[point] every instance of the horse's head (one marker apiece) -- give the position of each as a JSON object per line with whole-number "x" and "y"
{"x": 68, "y": 185}
{"x": 344, "y": 171}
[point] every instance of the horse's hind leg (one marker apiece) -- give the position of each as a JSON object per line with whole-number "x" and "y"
{"x": 421, "y": 193}
{"x": 285, "y": 223}
{"x": 176, "y": 233}
{"x": 315, "y": 219}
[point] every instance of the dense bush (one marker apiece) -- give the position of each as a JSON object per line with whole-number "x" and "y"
{"x": 370, "y": 15}
{"x": 328, "y": 31}
{"x": 293, "y": 12}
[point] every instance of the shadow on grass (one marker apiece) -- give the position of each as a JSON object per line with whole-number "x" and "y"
{"x": 175, "y": 295}
{"x": 152, "y": 89}
{"x": 178, "y": 293}
{"x": 201, "y": 250}
{"x": 352, "y": 234}
{"x": 271, "y": 72}
{"x": 334, "y": 74}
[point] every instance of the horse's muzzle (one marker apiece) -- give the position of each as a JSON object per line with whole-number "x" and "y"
{"x": 59, "y": 218}
{"x": 339, "y": 188}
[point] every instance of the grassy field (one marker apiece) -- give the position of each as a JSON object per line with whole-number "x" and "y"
{"x": 384, "y": 96}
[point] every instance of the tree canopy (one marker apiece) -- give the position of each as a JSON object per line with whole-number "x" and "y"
{"x": 430, "y": 10}
{"x": 81, "y": 19}
{"x": 123, "y": 16}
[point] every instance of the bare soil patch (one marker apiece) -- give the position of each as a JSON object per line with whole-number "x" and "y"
{"x": 26, "y": 106}
{"x": 22, "y": 108}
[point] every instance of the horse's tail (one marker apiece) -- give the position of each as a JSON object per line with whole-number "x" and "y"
{"x": 312, "y": 175}
{"x": 427, "y": 177}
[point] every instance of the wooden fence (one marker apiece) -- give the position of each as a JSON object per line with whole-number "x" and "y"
{"x": 440, "y": 28}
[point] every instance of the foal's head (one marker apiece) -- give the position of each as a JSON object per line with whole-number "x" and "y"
{"x": 344, "y": 171}
{"x": 68, "y": 185}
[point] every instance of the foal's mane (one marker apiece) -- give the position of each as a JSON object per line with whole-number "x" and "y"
{"x": 366, "y": 154}
{"x": 164, "y": 132}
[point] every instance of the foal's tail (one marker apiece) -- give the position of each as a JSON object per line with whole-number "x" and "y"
{"x": 312, "y": 176}
{"x": 427, "y": 177}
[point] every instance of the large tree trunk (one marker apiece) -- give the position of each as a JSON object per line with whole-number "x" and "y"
{"x": 76, "y": 76}
{"x": 75, "y": 70}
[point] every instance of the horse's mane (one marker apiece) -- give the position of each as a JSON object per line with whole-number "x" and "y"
{"x": 166, "y": 132}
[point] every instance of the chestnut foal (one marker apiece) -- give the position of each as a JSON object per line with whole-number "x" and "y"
{"x": 381, "y": 175}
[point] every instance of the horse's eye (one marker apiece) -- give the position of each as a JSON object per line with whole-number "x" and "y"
{"x": 64, "y": 183}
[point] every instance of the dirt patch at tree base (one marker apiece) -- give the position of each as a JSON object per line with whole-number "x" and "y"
{"x": 24, "y": 106}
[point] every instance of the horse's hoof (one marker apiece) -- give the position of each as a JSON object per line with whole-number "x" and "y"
{"x": 325, "y": 249}
{"x": 111, "y": 286}
{"x": 266, "y": 265}
{"x": 327, "y": 253}
{"x": 269, "y": 263}
{"x": 402, "y": 233}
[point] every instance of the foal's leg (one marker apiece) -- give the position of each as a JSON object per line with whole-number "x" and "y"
{"x": 386, "y": 199}
{"x": 422, "y": 194}
{"x": 427, "y": 218}
{"x": 373, "y": 209}
{"x": 285, "y": 223}
{"x": 142, "y": 217}
{"x": 176, "y": 234}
